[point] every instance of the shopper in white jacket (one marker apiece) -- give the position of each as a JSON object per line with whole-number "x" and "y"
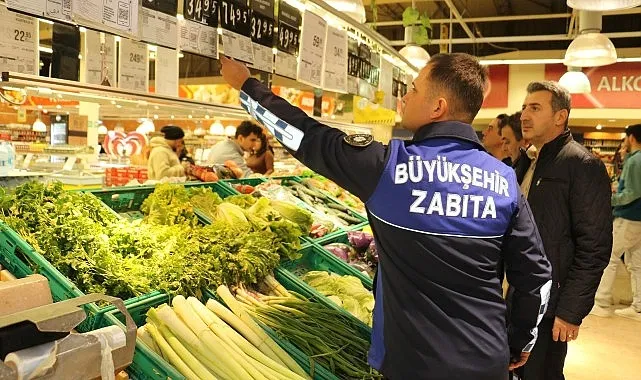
{"x": 163, "y": 159}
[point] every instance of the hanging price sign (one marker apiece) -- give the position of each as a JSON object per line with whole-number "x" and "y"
{"x": 375, "y": 71}
{"x": 235, "y": 19}
{"x": 159, "y": 24}
{"x": 201, "y": 11}
{"x": 120, "y": 16}
{"x": 198, "y": 38}
{"x": 289, "y": 21}
{"x": 312, "y": 49}
{"x": 19, "y": 44}
{"x": 59, "y": 10}
{"x": 100, "y": 63}
{"x": 166, "y": 72}
{"x": 134, "y": 66}
{"x": 353, "y": 61}
{"x": 335, "y": 73}
{"x": 262, "y": 35}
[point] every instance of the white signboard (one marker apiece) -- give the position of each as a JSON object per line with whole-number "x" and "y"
{"x": 198, "y": 38}
{"x": 100, "y": 58}
{"x": 237, "y": 46}
{"x": 312, "y": 49}
{"x": 263, "y": 58}
{"x": 53, "y": 9}
{"x": 19, "y": 42}
{"x": 158, "y": 28}
{"x": 117, "y": 15}
{"x": 166, "y": 71}
{"x": 134, "y": 66}
{"x": 386, "y": 83}
{"x": 335, "y": 72}
{"x": 286, "y": 65}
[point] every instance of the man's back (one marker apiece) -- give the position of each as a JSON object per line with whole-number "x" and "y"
{"x": 440, "y": 312}
{"x": 228, "y": 150}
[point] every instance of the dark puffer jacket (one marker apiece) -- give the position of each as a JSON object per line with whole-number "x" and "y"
{"x": 570, "y": 200}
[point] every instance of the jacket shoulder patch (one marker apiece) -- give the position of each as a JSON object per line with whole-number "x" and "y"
{"x": 359, "y": 140}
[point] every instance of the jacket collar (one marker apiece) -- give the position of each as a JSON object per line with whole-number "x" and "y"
{"x": 555, "y": 145}
{"x": 449, "y": 129}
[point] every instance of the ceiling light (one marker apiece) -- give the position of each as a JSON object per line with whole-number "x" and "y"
{"x": 217, "y": 129}
{"x": 599, "y": 127}
{"x": 603, "y": 5}
{"x": 590, "y": 50}
{"x": 612, "y": 120}
{"x": 575, "y": 81}
{"x": 39, "y": 126}
{"x": 230, "y": 131}
{"x": 352, "y": 8}
{"x": 147, "y": 126}
{"x": 415, "y": 55}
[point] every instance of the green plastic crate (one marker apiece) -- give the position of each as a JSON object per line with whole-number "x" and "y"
{"x": 317, "y": 371}
{"x": 342, "y": 238}
{"x": 146, "y": 363}
{"x": 126, "y": 199}
{"x": 22, "y": 260}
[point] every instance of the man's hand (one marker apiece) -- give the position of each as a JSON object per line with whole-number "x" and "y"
{"x": 235, "y": 73}
{"x": 521, "y": 362}
{"x": 564, "y": 331}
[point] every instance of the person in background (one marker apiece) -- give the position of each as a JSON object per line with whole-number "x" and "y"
{"x": 261, "y": 160}
{"x": 246, "y": 138}
{"x": 439, "y": 311}
{"x": 491, "y": 138}
{"x": 626, "y": 232}
{"x": 163, "y": 159}
{"x": 568, "y": 190}
{"x": 514, "y": 146}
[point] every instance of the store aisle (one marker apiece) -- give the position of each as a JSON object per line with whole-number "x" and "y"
{"x": 607, "y": 349}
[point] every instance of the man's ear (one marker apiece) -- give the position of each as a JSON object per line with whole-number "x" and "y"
{"x": 439, "y": 109}
{"x": 561, "y": 117}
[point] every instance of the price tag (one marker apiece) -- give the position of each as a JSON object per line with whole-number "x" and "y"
{"x": 166, "y": 71}
{"x": 263, "y": 58}
{"x": 19, "y": 44}
{"x": 201, "y": 11}
{"x": 238, "y": 46}
{"x": 262, "y": 29}
{"x": 117, "y": 15}
{"x": 134, "y": 66}
{"x": 335, "y": 73}
{"x": 52, "y": 9}
{"x": 286, "y": 65}
{"x": 100, "y": 53}
{"x": 235, "y": 16}
{"x": 352, "y": 85}
{"x": 312, "y": 49}
{"x": 159, "y": 25}
{"x": 353, "y": 61}
{"x": 289, "y": 22}
{"x": 385, "y": 84}
{"x": 365, "y": 67}
{"x": 198, "y": 39}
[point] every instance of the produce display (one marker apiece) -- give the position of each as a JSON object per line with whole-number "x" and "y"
{"x": 165, "y": 251}
{"x": 346, "y": 291}
{"x": 210, "y": 342}
{"x": 327, "y": 336}
{"x": 359, "y": 251}
{"x": 322, "y": 184}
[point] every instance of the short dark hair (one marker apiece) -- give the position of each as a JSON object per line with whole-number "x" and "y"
{"x": 634, "y": 130}
{"x": 246, "y": 128}
{"x": 463, "y": 78}
{"x": 513, "y": 122}
{"x": 503, "y": 120}
{"x": 561, "y": 99}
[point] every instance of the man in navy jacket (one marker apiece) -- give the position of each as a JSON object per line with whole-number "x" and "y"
{"x": 443, "y": 212}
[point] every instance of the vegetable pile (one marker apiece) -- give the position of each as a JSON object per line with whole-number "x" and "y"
{"x": 327, "y": 336}
{"x": 210, "y": 342}
{"x": 322, "y": 184}
{"x": 165, "y": 251}
{"x": 346, "y": 291}
{"x": 360, "y": 253}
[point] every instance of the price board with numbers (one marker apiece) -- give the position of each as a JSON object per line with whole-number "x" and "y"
{"x": 100, "y": 61}
{"x": 235, "y": 16}
{"x": 108, "y": 15}
{"x": 133, "y": 66}
{"x": 159, "y": 24}
{"x": 201, "y": 11}
{"x": 335, "y": 73}
{"x": 312, "y": 49}
{"x": 262, "y": 35}
{"x": 289, "y": 22}
{"x": 375, "y": 71}
{"x": 57, "y": 10}
{"x": 364, "y": 53}
{"x": 19, "y": 42}
{"x": 198, "y": 38}
{"x": 353, "y": 61}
